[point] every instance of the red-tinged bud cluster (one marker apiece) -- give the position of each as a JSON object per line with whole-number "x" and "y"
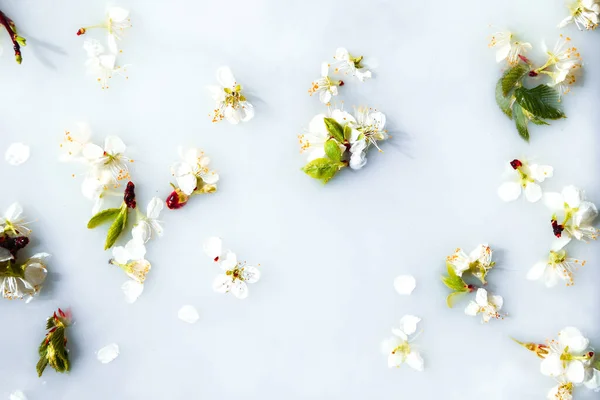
{"x": 557, "y": 228}
{"x": 516, "y": 164}
{"x": 14, "y": 244}
{"x": 81, "y": 31}
{"x": 177, "y": 199}
{"x": 129, "y": 197}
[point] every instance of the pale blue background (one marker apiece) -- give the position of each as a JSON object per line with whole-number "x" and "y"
{"x": 312, "y": 327}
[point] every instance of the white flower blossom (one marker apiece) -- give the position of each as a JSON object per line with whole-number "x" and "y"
{"x": 487, "y": 306}
{"x": 130, "y": 258}
{"x": 325, "y": 86}
{"x": 368, "y": 129}
{"x": 25, "y": 281}
{"x": 525, "y": 177}
{"x": 108, "y": 162}
{"x": 399, "y": 349}
{"x": 313, "y": 141}
{"x": 117, "y": 21}
{"x": 192, "y": 171}
{"x": 562, "y": 391}
{"x": 13, "y": 221}
{"x": 479, "y": 261}
{"x": 584, "y": 13}
{"x": 566, "y": 62}
{"x": 149, "y": 223}
{"x": 231, "y": 104}
{"x": 557, "y": 267}
{"x": 569, "y": 357}
{"x": 349, "y": 65}
{"x": 101, "y": 64}
{"x": 508, "y": 48}
{"x": 575, "y": 213}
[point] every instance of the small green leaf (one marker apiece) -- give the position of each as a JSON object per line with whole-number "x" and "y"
{"x": 335, "y": 129}
{"x": 511, "y": 77}
{"x": 103, "y": 217}
{"x": 453, "y": 281}
{"x": 502, "y": 101}
{"x": 451, "y": 297}
{"x": 542, "y": 101}
{"x": 116, "y": 228}
{"x": 537, "y": 120}
{"x": 333, "y": 151}
{"x": 521, "y": 121}
{"x": 347, "y": 132}
{"x": 322, "y": 168}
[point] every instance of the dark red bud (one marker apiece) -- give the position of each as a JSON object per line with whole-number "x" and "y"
{"x": 341, "y": 83}
{"x": 129, "y": 197}
{"x": 516, "y": 164}
{"x": 533, "y": 74}
{"x": 557, "y": 229}
{"x": 177, "y": 199}
{"x": 81, "y": 31}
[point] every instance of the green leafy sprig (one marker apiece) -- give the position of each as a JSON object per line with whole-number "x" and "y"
{"x": 17, "y": 40}
{"x": 325, "y": 168}
{"x": 53, "y": 349}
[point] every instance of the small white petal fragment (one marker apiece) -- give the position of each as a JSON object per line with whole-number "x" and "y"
{"x": 17, "y": 154}
{"x": 17, "y": 395}
{"x": 132, "y": 290}
{"x": 188, "y": 314}
{"x": 108, "y": 353}
{"x": 405, "y": 284}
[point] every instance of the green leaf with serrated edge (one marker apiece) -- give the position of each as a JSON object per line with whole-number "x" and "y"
{"x": 117, "y": 227}
{"x": 451, "y": 297}
{"x": 103, "y": 217}
{"x": 502, "y": 101}
{"x": 521, "y": 121}
{"x": 335, "y": 129}
{"x": 537, "y": 120}
{"x": 542, "y": 101}
{"x": 511, "y": 77}
{"x": 322, "y": 168}
{"x": 332, "y": 149}
{"x": 347, "y": 132}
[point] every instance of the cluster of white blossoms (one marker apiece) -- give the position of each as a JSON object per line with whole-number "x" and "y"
{"x": 583, "y": 13}
{"x": 107, "y": 165}
{"x": 231, "y": 104}
{"x": 400, "y": 348}
{"x": 102, "y": 63}
{"x": 326, "y": 86}
{"x": 236, "y": 274}
{"x": 19, "y": 280}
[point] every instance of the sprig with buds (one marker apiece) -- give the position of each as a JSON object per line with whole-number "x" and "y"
{"x": 53, "y": 349}
{"x": 15, "y": 38}
{"x": 541, "y": 103}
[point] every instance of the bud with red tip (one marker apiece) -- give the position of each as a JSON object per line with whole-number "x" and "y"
{"x": 516, "y": 164}
{"x": 177, "y": 199}
{"x": 129, "y": 197}
{"x": 81, "y": 31}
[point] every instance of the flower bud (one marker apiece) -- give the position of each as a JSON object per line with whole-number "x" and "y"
{"x": 129, "y": 197}
{"x": 177, "y": 199}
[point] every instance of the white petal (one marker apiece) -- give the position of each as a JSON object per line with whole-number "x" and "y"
{"x": 533, "y": 192}
{"x": 188, "y": 314}
{"x": 395, "y": 360}
{"x": 502, "y": 52}
{"x": 551, "y": 365}
{"x": 575, "y": 372}
{"x": 113, "y": 47}
{"x": 390, "y": 344}
{"x": 498, "y": 301}
{"x": 5, "y": 255}
{"x": 509, "y": 191}
{"x": 120, "y": 254}
{"x": 565, "y": 21}
{"x": 251, "y": 274}
{"x": 239, "y": 289}
{"x": 92, "y": 151}
{"x": 108, "y": 353}
{"x": 594, "y": 382}
{"x": 13, "y": 212}
{"x": 481, "y": 297}
{"x": 114, "y": 145}
{"x": 229, "y": 261}
{"x": 405, "y": 284}
{"x": 324, "y": 69}
{"x": 572, "y": 337}
{"x": 537, "y": 271}
{"x": 554, "y": 201}
{"x": 342, "y": 54}
{"x": 142, "y": 232}
{"x": 187, "y": 183}
{"x": 572, "y": 195}
{"x": 132, "y": 290}
{"x": 472, "y": 309}
{"x": 107, "y": 61}
{"x": 415, "y": 361}
{"x": 560, "y": 242}
{"x": 136, "y": 249}
{"x": 17, "y": 395}
{"x": 210, "y": 178}
{"x": 317, "y": 126}
{"x": 154, "y": 208}
{"x": 408, "y": 324}
{"x": 247, "y": 111}
{"x": 222, "y": 283}
{"x": 118, "y": 14}
{"x": 213, "y": 247}
{"x": 551, "y": 278}
{"x": 541, "y": 172}
{"x": 225, "y": 77}
{"x": 17, "y": 154}
{"x": 325, "y": 96}
{"x": 35, "y": 273}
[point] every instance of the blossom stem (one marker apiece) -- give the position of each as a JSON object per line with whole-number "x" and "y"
{"x": 17, "y": 41}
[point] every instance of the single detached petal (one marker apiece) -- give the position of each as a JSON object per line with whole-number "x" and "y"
{"x": 155, "y": 206}
{"x": 408, "y": 324}
{"x": 17, "y": 154}
{"x": 415, "y": 361}
{"x": 132, "y": 290}
{"x": 108, "y": 353}
{"x": 533, "y": 192}
{"x": 251, "y": 274}
{"x": 509, "y": 191}
{"x": 239, "y": 289}
{"x": 188, "y": 314}
{"x": 222, "y": 283}
{"x": 405, "y": 284}
{"x": 537, "y": 271}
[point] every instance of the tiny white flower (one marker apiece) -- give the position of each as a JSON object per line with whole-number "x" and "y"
{"x": 347, "y": 64}
{"x": 562, "y": 391}
{"x": 117, "y": 21}
{"x": 17, "y": 154}
{"x": 368, "y": 129}
{"x": 313, "y": 141}
{"x": 130, "y": 258}
{"x": 149, "y": 223}
{"x": 557, "y": 267}
{"x": 100, "y": 64}
{"x": 74, "y": 141}
{"x": 325, "y": 86}
{"x": 108, "y": 353}
{"x": 405, "y": 284}
{"x": 188, "y": 314}
{"x": 29, "y": 280}
{"x": 398, "y": 348}
{"x": 13, "y": 221}
{"x": 508, "y": 48}
{"x": 568, "y": 357}
{"x": 575, "y": 213}
{"x": 231, "y": 104}
{"x": 109, "y": 160}
{"x": 487, "y": 306}
{"x": 192, "y": 171}
{"x": 525, "y": 177}
{"x": 584, "y": 13}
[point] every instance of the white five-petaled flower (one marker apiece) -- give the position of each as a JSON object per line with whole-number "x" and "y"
{"x": 525, "y": 179}
{"x": 236, "y": 274}
{"x": 149, "y": 223}
{"x": 508, "y": 48}
{"x": 479, "y": 261}
{"x": 584, "y": 13}
{"x": 325, "y": 86}
{"x": 130, "y": 258}
{"x": 313, "y": 141}
{"x": 117, "y": 21}
{"x": 557, "y": 267}
{"x": 398, "y": 348}
{"x": 576, "y": 213}
{"x": 368, "y": 129}
{"x": 108, "y": 160}
{"x": 231, "y": 104}
{"x": 192, "y": 172}
{"x": 569, "y": 357}
{"x": 25, "y": 281}
{"x": 12, "y": 221}
{"x": 347, "y": 64}
{"x": 487, "y": 306}
{"x": 100, "y": 63}
{"x": 566, "y": 61}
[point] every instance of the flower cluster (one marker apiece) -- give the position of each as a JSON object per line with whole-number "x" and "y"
{"x": 19, "y": 280}
{"x": 231, "y": 104}
{"x": 102, "y": 63}
{"x": 477, "y": 264}
{"x": 400, "y": 348}
{"x": 193, "y": 177}
{"x": 541, "y": 103}
{"x": 570, "y": 361}
{"x": 53, "y": 349}
{"x": 583, "y": 13}
{"x": 236, "y": 275}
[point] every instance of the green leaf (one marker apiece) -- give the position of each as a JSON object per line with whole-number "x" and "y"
{"x": 41, "y": 365}
{"x": 511, "y": 77}
{"x": 451, "y": 297}
{"x": 322, "y": 168}
{"x": 503, "y": 102}
{"x": 453, "y": 281}
{"x": 521, "y": 121}
{"x": 542, "y": 101}
{"x": 333, "y": 151}
{"x": 103, "y": 217}
{"x": 117, "y": 227}
{"x": 347, "y": 132}
{"x": 537, "y": 121}
{"x": 335, "y": 129}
